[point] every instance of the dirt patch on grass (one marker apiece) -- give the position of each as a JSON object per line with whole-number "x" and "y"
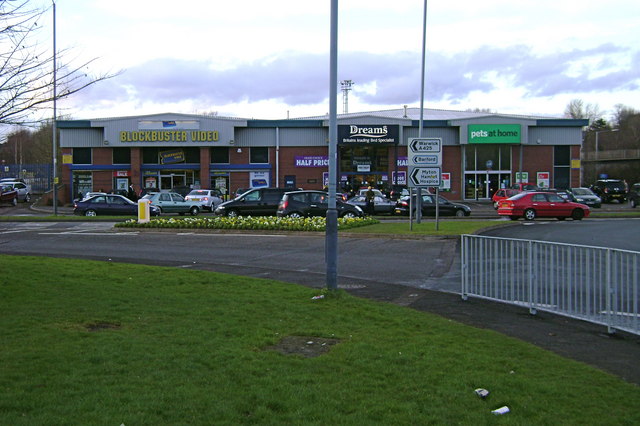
{"x": 307, "y": 346}
{"x": 99, "y": 326}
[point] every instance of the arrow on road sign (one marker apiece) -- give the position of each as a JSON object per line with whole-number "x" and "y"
{"x": 427, "y": 159}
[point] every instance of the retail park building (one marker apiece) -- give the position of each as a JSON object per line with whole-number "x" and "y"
{"x": 481, "y": 152}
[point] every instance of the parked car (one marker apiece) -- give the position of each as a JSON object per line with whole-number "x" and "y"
{"x": 525, "y": 186}
{"x": 398, "y": 191}
{"x": 172, "y": 202}
{"x": 634, "y": 195}
{"x": 586, "y": 196}
{"x": 182, "y": 190}
{"x": 241, "y": 191}
{"x": 255, "y": 202}
{"x": 92, "y": 194}
{"x": 109, "y": 204}
{"x": 208, "y": 198}
{"x": 313, "y": 203}
{"x": 445, "y": 207}
{"x": 8, "y": 195}
{"x": 24, "y": 190}
{"x": 502, "y": 194}
{"x": 610, "y": 189}
{"x": 541, "y": 204}
{"x": 381, "y": 205}
{"x": 376, "y": 192}
{"x": 564, "y": 193}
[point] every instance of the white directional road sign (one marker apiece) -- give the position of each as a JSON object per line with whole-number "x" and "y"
{"x": 423, "y": 152}
{"x": 425, "y": 176}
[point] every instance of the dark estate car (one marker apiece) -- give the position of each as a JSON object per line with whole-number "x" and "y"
{"x": 445, "y": 207}
{"x": 255, "y": 202}
{"x": 313, "y": 203}
{"x": 634, "y": 195}
{"x": 111, "y": 204}
{"x": 610, "y": 189}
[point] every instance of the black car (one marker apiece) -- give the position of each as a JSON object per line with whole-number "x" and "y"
{"x": 610, "y": 189}
{"x": 313, "y": 203}
{"x": 109, "y": 204}
{"x": 634, "y": 195}
{"x": 445, "y": 207}
{"x": 254, "y": 202}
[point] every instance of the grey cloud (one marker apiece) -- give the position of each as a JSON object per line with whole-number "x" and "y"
{"x": 300, "y": 78}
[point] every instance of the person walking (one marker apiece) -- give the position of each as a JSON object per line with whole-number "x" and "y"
{"x": 369, "y": 196}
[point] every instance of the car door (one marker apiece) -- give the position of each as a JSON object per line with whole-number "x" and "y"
{"x": 249, "y": 203}
{"x": 541, "y": 205}
{"x": 428, "y": 205}
{"x": 166, "y": 204}
{"x": 558, "y": 206}
{"x": 118, "y": 206}
{"x": 180, "y": 205}
{"x": 318, "y": 204}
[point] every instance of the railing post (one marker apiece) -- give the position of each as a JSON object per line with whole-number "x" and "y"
{"x": 464, "y": 272}
{"x": 532, "y": 268}
{"x": 609, "y": 298}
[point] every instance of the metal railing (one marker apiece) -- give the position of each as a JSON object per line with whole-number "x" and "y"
{"x": 595, "y": 284}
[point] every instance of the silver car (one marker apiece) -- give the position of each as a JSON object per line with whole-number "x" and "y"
{"x": 24, "y": 190}
{"x": 207, "y": 198}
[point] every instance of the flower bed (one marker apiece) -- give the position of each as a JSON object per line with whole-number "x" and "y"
{"x": 313, "y": 224}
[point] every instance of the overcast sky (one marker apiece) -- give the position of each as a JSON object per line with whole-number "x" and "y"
{"x": 269, "y": 59}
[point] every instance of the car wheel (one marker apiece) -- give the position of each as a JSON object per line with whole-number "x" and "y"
{"x": 459, "y": 213}
{"x": 194, "y": 211}
{"x": 349, "y": 215}
{"x": 91, "y": 213}
{"x": 27, "y": 198}
{"x": 529, "y": 214}
{"x": 577, "y": 214}
{"x": 159, "y": 210}
{"x": 232, "y": 213}
{"x": 14, "y": 202}
{"x": 632, "y": 203}
{"x": 294, "y": 215}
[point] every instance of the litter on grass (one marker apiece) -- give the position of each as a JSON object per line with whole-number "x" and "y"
{"x": 501, "y": 410}
{"x": 482, "y": 393}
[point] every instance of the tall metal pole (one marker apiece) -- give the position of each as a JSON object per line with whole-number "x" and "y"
{"x": 331, "y": 239}
{"x": 422, "y": 74}
{"x": 55, "y": 116}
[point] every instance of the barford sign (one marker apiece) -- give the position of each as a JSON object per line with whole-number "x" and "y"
{"x": 364, "y": 134}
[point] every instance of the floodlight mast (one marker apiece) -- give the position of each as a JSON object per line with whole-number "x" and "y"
{"x": 346, "y": 87}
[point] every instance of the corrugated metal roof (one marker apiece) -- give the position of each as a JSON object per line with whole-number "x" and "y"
{"x": 414, "y": 114}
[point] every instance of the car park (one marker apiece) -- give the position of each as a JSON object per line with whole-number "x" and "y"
{"x": 172, "y": 202}
{"x": 208, "y": 199}
{"x": 23, "y": 190}
{"x": 610, "y": 189}
{"x": 381, "y": 205}
{"x": 502, "y": 194}
{"x": 586, "y": 196}
{"x": 634, "y": 195}
{"x": 8, "y": 195}
{"x": 445, "y": 207}
{"x": 530, "y": 205}
{"x": 255, "y": 202}
{"x": 313, "y": 203}
{"x": 110, "y": 205}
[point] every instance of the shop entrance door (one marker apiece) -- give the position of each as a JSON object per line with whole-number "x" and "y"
{"x": 482, "y": 185}
{"x": 171, "y": 181}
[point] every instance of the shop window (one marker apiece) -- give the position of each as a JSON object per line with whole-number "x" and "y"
{"x": 259, "y": 155}
{"x": 562, "y": 155}
{"x": 150, "y": 156}
{"x": 220, "y": 155}
{"x": 561, "y": 166}
{"x": 81, "y": 155}
{"x": 487, "y": 157}
{"x": 121, "y": 155}
{"x": 192, "y": 154}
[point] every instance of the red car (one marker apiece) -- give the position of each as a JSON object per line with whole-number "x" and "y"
{"x": 503, "y": 194}
{"x": 8, "y": 195}
{"x": 541, "y": 204}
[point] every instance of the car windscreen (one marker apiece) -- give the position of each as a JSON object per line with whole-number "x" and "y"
{"x": 199, "y": 193}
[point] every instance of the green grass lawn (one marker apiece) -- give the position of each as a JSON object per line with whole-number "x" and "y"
{"x": 445, "y": 227}
{"x": 85, "y": 342}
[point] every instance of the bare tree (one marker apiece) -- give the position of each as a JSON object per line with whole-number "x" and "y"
{"x": 579, "y": 110}
{"x": 622, "y": 114}
{"x": 26, "y": 67}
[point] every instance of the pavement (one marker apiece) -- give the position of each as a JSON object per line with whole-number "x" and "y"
{"x": 616, "y": 354}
